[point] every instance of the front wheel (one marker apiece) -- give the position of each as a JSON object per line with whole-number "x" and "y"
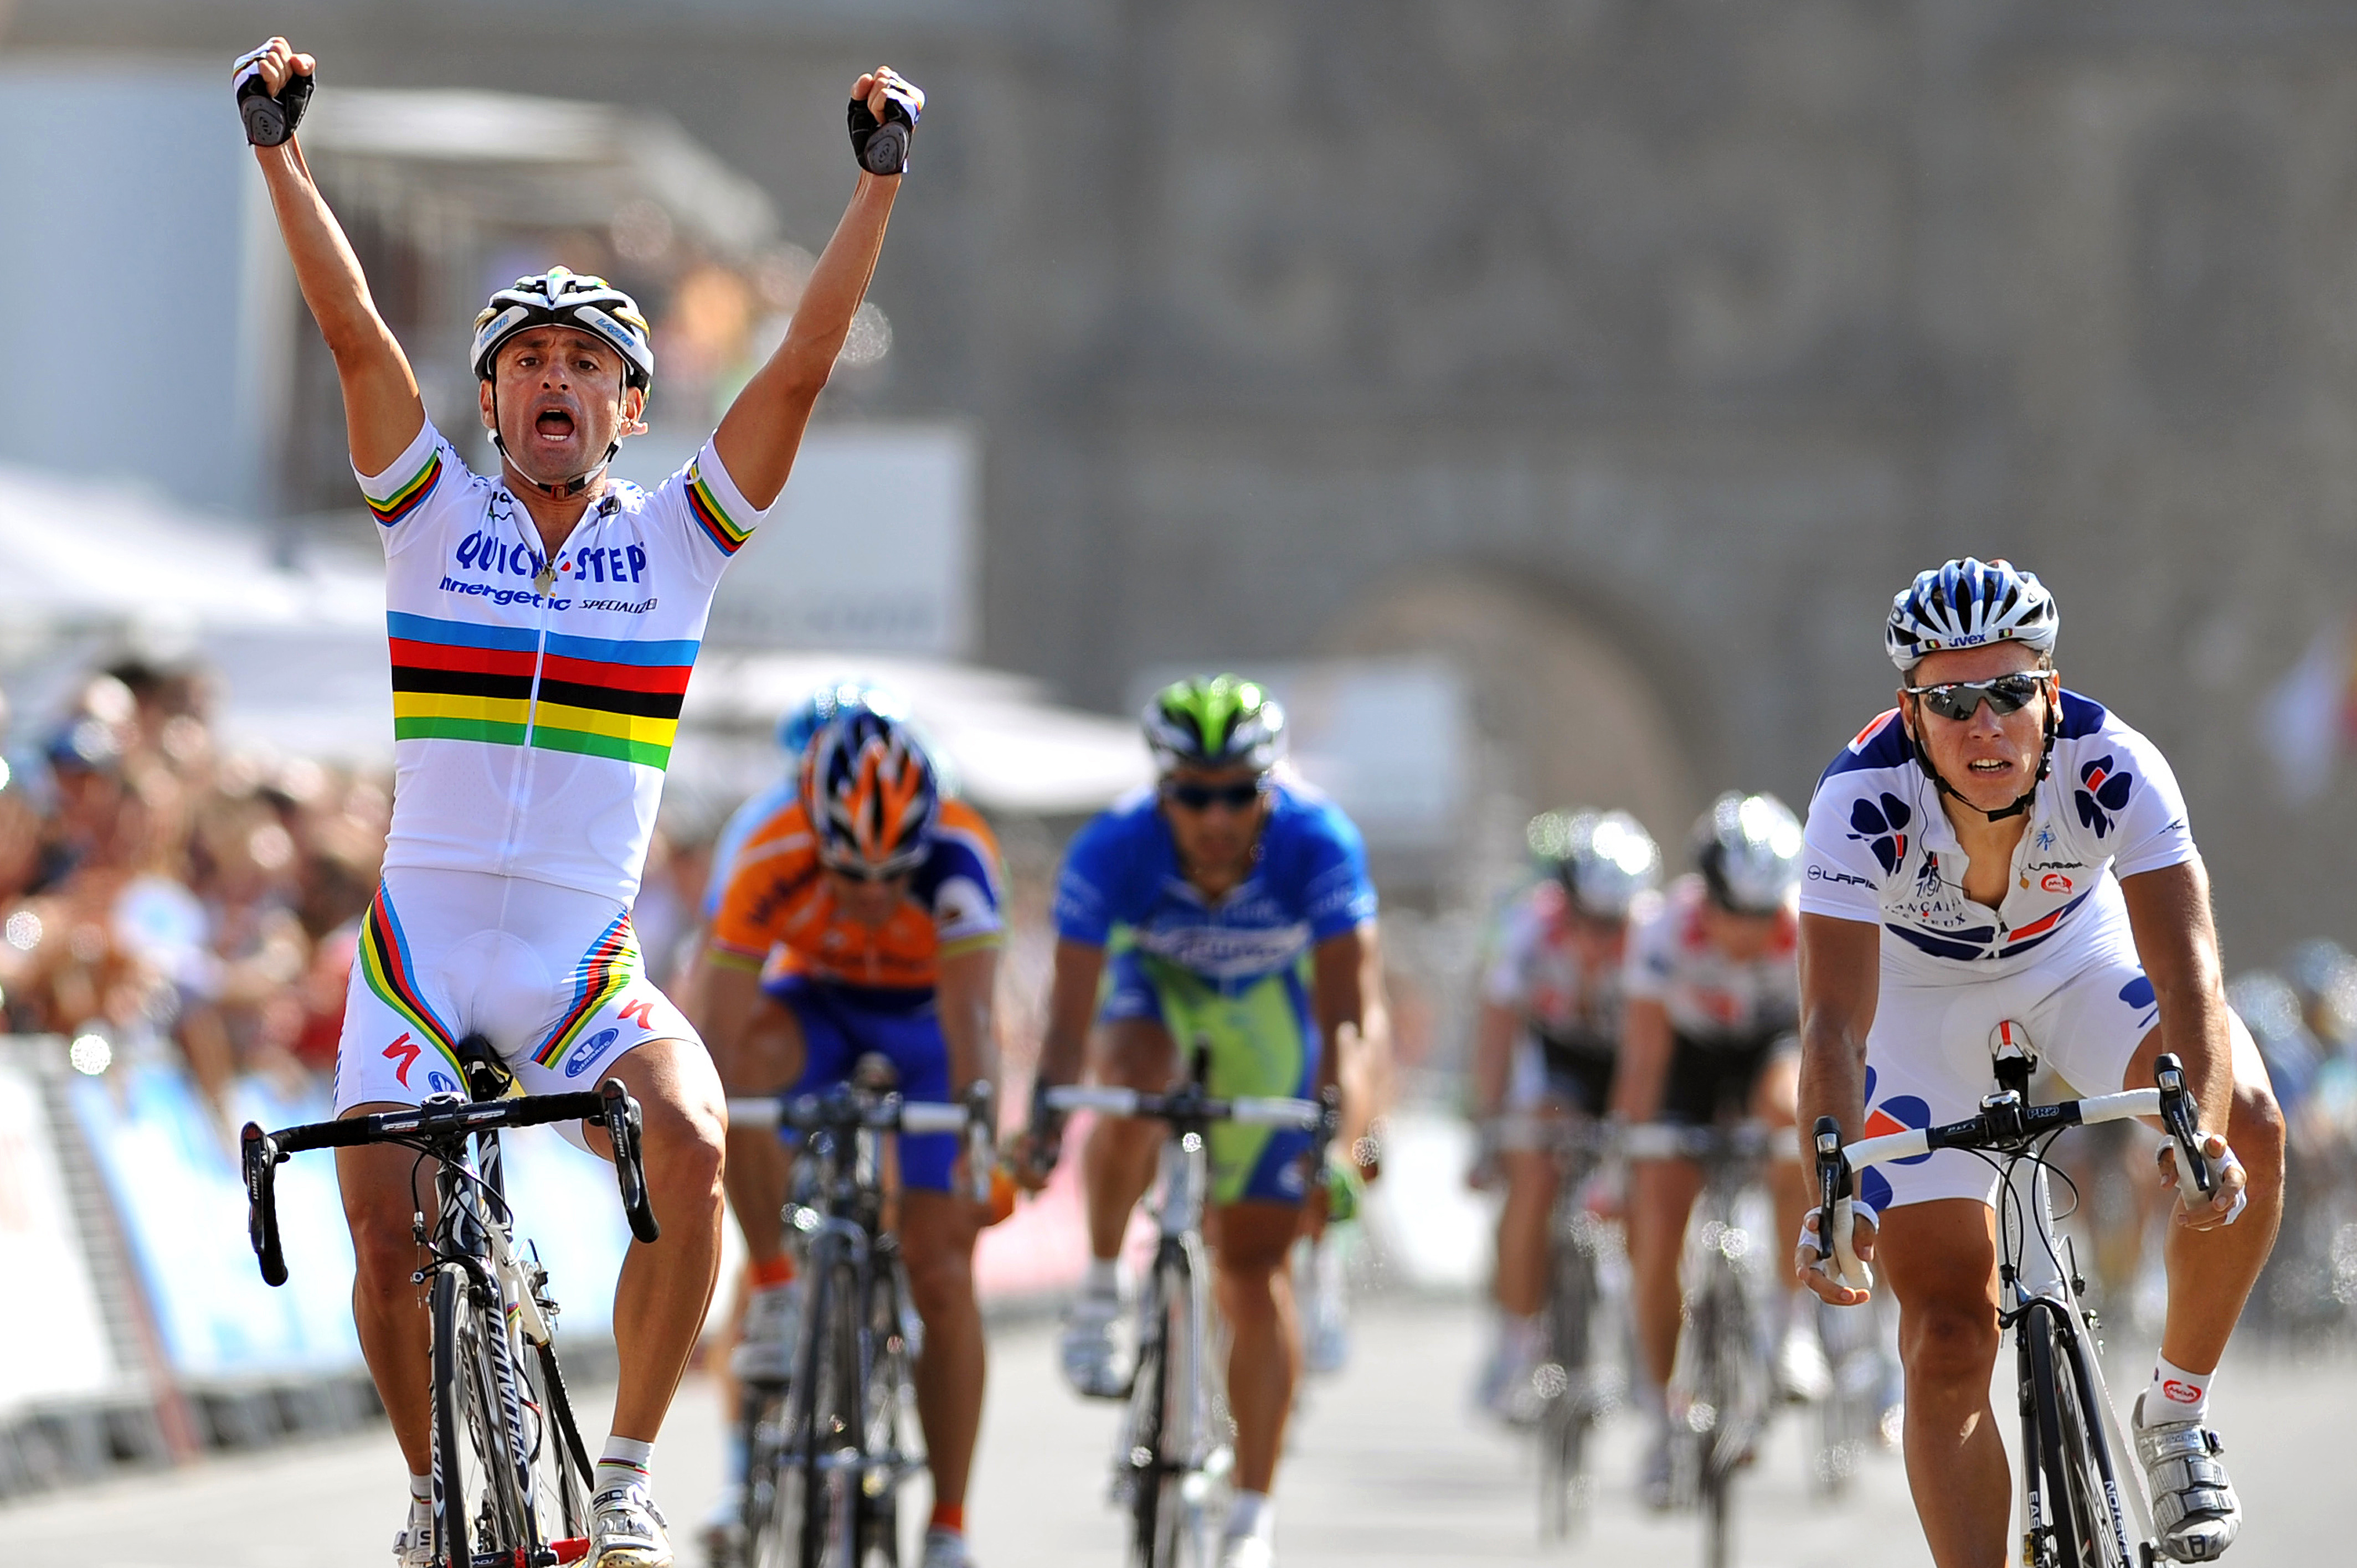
{"x": 1168, "y": 1431}
{"x": 1566, "y": 1384}
{"x": 476, "y": 1508}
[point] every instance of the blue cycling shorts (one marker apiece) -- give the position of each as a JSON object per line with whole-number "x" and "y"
{"x": 843, "y": 1022}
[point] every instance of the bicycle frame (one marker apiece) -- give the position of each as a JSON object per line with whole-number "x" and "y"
{"x": 472, "y": 1251}
{"x": 2035, "y": 1283}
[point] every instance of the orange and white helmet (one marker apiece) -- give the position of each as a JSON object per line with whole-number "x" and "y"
{"x": 871, "y": 794}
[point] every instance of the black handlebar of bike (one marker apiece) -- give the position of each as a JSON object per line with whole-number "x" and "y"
{"x": 2005, "y": 1123}
{"x": 611, "y": 1107}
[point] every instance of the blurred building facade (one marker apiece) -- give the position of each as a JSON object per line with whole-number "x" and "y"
{"x": 1627, "y": 353}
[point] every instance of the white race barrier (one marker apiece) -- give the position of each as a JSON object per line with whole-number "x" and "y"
{"x": 51, "y": 1318}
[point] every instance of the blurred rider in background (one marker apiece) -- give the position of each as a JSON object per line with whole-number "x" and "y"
{"x": 1225, "y": 905}
{"x": 1545, "y": 1048}
{"x": 863, "y": 916}
{"x": 1711, "y": 998}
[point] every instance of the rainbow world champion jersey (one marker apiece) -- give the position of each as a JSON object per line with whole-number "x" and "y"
{"x": 1881, "y": 851}
{"x": 532, "y": 727}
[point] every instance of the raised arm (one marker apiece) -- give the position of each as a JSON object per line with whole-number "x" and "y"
{"x": 382, "y": 413}
{"x": 763, "y": 428}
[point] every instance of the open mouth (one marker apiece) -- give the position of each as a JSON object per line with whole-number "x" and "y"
{"x": 553, "y": 425}
{"x": 1990, "y": 766}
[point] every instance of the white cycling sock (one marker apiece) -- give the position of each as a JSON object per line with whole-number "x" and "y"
{"x": 1518, "y": 1337}
{"x": 2176, "y": 1394}
{"x": 623, "y": 1462}
{"x": 1102, "y": 1278}
{"x": 421, "y": 1488}
{"x": 1252, "y": 1514}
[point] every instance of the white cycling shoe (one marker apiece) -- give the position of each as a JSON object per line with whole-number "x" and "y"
{"x": 2193, "y": 1503}
{"x": 946, "y": 1549}
{"x": 1247, "y": 1551}
{"x": 413, "y": 1546}
{"x": 773, "y": 1323}
{"x": 1804, "y": 1376}
{"x": 626, "y": 1530}
{"x": 722, "y": 1533}
{"x": 1093, "y": 1361}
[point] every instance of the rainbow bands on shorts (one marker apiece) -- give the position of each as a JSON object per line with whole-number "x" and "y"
{"x": 713, "y": 517}
{"x": 602, "y": 974}
{"x": 411, "y": 495}
{"x": 384, "y": 960}
{"x": 596, "y": 697}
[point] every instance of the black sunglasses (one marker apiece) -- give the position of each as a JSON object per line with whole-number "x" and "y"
{"x": 1201, "y": 796}
{"x": 1962, "y": 699}
{"x": 860, "y": 872}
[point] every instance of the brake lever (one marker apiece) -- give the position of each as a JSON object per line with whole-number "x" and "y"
{"x": 258, "y": 1152}
{"x": 622, "y": 1129}
{"x": 1833, "y": 1180}
{"x": 2177, "y": 1115}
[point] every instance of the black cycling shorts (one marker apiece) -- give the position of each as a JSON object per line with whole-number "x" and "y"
{"x": 1579, "y": 1072}
{"x": 1712, "y": 1081}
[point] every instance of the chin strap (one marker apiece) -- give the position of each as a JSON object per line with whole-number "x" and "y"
{"x": 2021, "y": 802}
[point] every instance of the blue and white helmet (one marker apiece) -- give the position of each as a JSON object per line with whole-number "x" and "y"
{"x": 1968, "y": 604}
{"x": 564, "y": 299}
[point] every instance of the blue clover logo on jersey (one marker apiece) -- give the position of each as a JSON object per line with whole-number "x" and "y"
{"x": 1883, "y": 826}
{"x": 2139, "y": 994}
{"x": 588, "y": 1051}
{"x": 2102, "y": 794}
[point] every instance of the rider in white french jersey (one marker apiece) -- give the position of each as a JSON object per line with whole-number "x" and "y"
{"x": 2056, "y": 955}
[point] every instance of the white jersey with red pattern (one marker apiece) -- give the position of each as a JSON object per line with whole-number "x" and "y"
{"x": 1537, "y": 974}
{"x": 1712, "y": 999}
{"x": 1880, "y": 850}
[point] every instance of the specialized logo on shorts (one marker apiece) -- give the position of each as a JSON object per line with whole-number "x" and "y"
{"x": 1883, "y": 827}
{"x": 2139, "y": 994}
{"x": 588, "y": 1051}
{"x": 2101, "y": 795}
{"x": 641, "y": 1013}
{"x": 405, "y": 1052}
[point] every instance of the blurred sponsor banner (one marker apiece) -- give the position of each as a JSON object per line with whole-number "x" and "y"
{"x": 50, "y": 1320}
{"x": 870, "y": 547}
{"x": 2310, "y": 715}
{"x": 175, "y": 1182}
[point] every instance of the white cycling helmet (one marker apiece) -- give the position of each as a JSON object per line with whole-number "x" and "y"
{"x": 1966, "y": 604}
{"x": 1747, "y": 848}
{"x": 567, "y": 299}
{"x": 1604, "y": 859}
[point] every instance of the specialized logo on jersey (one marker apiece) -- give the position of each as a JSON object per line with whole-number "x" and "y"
{"x": 2102, "y": 794}
{"x": 1883, "y": 827}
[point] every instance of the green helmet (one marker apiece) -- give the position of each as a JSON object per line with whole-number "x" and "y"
{"x": 1223, "y": 722}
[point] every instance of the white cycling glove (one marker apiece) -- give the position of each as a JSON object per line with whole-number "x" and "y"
{"x": 2221, "y": 1163}
{"x": 1845, "y": 1267}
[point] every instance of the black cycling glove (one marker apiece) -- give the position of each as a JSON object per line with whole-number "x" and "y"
{"x": 882, "y": 145}
{"x": 269, "y": 122}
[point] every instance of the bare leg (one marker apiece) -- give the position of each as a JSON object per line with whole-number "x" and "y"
{"x": 1118, "y": 1163}
{"x": 395, "y": 1331}
{"x": 1940, "y": 1260}
{"x": 937, "y": 1235}
{"x": 1264, "y": 1350}
{"x": 666, "y": 1287}
{"x": 2210, "y": 1272}
{"x": 768, "y": 1057}
{"x": 1521, "y": 1281}
{"x": 1661, "y": 1196}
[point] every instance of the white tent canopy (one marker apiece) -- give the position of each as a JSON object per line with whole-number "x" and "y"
{"x": 301, "y": 651}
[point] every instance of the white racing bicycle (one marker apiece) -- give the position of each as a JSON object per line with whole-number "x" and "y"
{"x": 2079, "y": 1506}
